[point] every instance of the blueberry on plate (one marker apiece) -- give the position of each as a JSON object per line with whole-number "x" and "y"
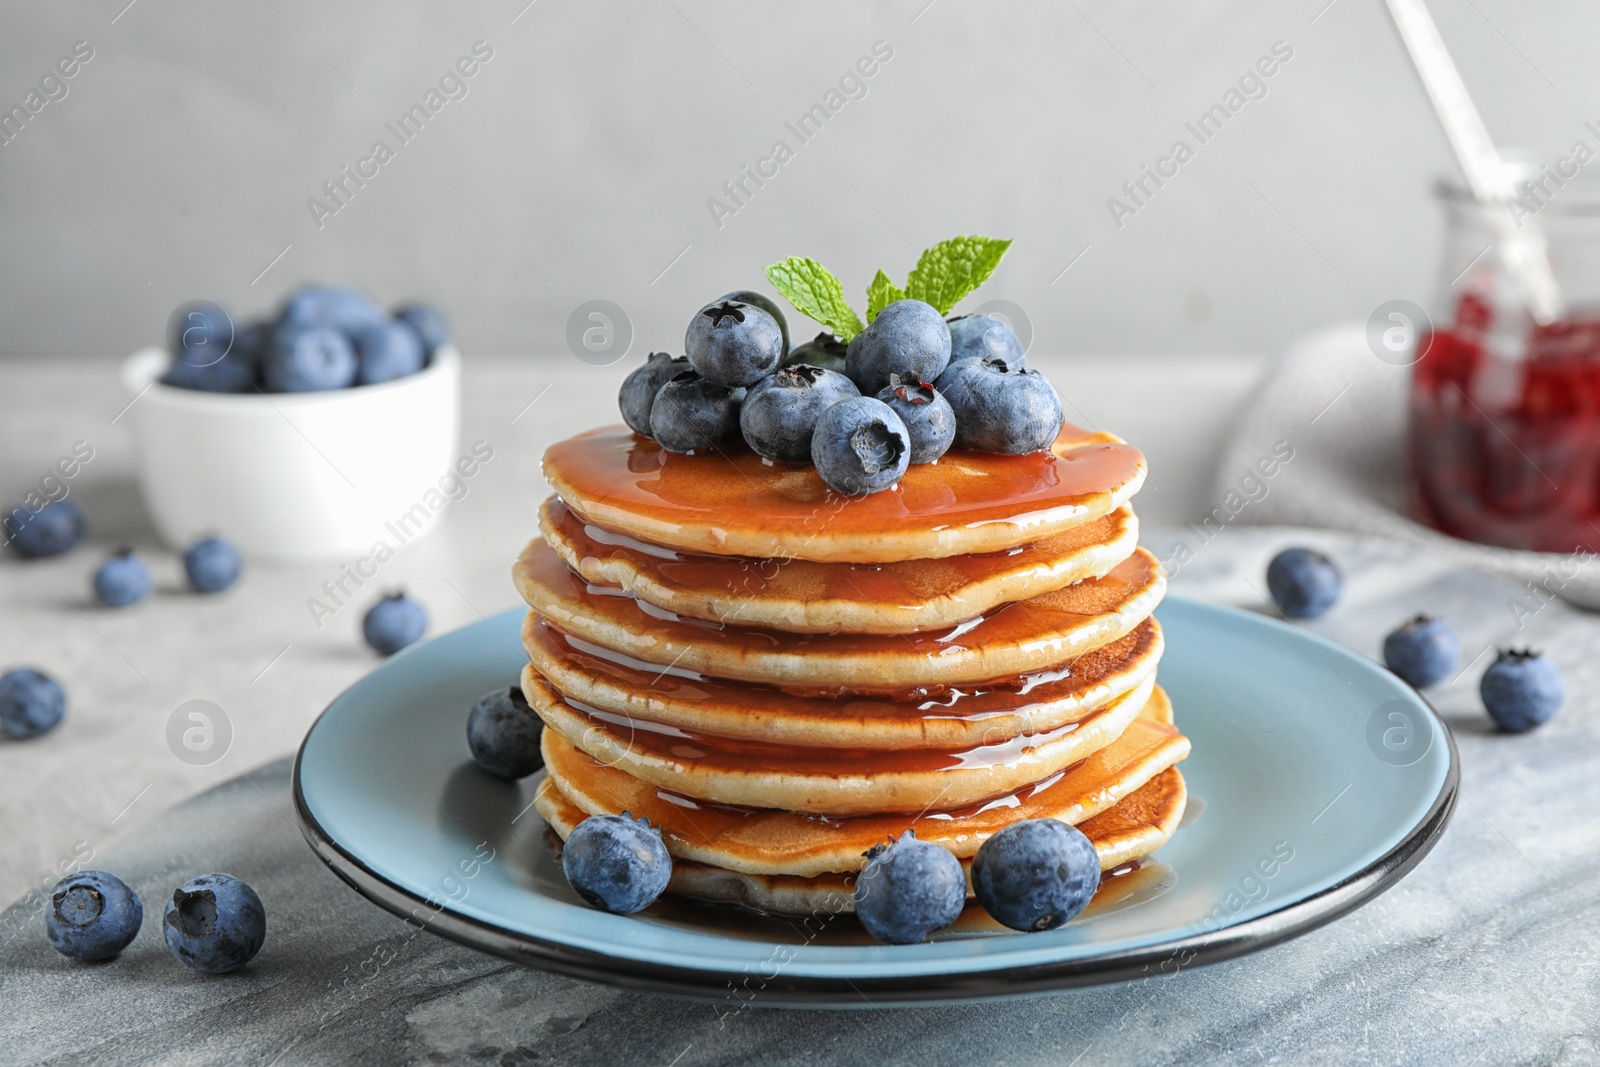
{"x": 386, "y": 351}
{"x": 50, "y": 531}
{"x": 978, "y": 335}
{"x": 780, "y": 411}
{"x": 908, "y": 338}
{"x": 332, "y": 306}
{"x": 824, "y": 350}
{"x": 1303, "y": 582}
{"x": 503, "y": 734}
{"x": 1036, "y": 874}
{"x": 639, "y": 388}
{"x": 211, "y": 565}
{"x": 214, "y": 923}
{"x": 732, "y": 343}
{"x": 1422, "y": 651}
{"x": 860, "y": 446}
{"x": 122, "y": 580}
{"x": 31, "y": 703}
{"x": 930, "y": 422}
{"x": 1001, "y": 408}
{"x": 92, "y": 916}
{"x": 429, "y": 322}
{"x": 393, "y": 623}
{"x": 908, "y": 890}
{"x": 691, "y": 413}
{"x": 1521, "y": 690}
{"x": 308, "y": 360}
{"x": 748, "y": 296}
{"x": 616, "y": 863}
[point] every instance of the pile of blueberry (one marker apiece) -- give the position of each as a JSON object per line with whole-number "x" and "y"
{"x": 1520, "y": 689}
{"x": 214, "y": 923}
{"x": 902, "y": 391}
{"x": 323, "y": 337}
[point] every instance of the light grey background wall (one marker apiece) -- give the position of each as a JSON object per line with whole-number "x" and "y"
{"x": 580, "y": 161}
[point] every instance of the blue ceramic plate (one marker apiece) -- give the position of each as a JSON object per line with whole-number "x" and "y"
{"x": 1318, "y": 779}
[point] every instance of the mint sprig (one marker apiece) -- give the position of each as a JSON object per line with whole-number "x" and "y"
{"x": 880, "y": 294}
{"x": 815, "y": 293}
{"x": 951, "y": 269}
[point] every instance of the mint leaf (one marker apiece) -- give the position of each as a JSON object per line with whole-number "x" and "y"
{"x": 815, "y": 293}
{"x": 881, "y": 293}
{"x": 951, "y": 269}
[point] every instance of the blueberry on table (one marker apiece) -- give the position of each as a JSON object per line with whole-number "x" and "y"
{"x": 616, "y": 863}
{"x": 780, "y": 412}
{"x": 386, "y": 351}
{"x": 999, "y": 407}
{"x": 503, "y": 734}
{"x": 639, "y": 388}
{"x": 824, "y": 350}
{"x": 908, "y": 890}
{"x": 331, "y": 306}
{"x": 860, "y": 446}
{"x": 393, "y": 623}
{"x": 909, "y": 338}
{"x": 312, "y": 359}
{"x": 122, "y": 580}
{"x": 31, "y": 703}
{"x": 978, "y": 335}
{"x": 733, "y": 343}
{"x": 51, "y": 530}
{"x": 212, "y": 565}
{"x": 748, "y": 296}
{"x": 1521, "y": 690}
{"x": 92, "y": 916}
{"x": 429, "y": 322}
{"x": 930, "y": 421}
{"x": 214, "y": 923}
{"x": 1303, "y": 582}
{"x": 691, "y": 413}
{"x": 1422, "y": 651}
{"x": 1036, "y": 874}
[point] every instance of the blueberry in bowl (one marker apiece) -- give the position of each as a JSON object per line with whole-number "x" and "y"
{"x": 780, "y": 412}
{"x": 308, "y": 359}
{"x": 385, "y": 351}
{"x": 432, "y": 328}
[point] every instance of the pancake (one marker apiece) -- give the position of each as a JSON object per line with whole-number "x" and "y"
{"x": 766, "y": 841}
{"x": 803, "y": 596}
{"x": 954, "y": 719}
{"x": 732, "y": 502}
{"x": 1135, "y": 827}
{"x": 830, "y": 781}
{"x": 1019, "y": 638}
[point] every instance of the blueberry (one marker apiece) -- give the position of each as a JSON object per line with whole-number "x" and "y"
{"x": 50, "y": 531}
{"x": 860, "y": 446}
{"x": 908, "y": 338}
{"x": 732, "y": 343}
{"x": 386, "y": 351}
{"x": 639, "y": 388}
{"x": 31, "y": 703}
{"x": 393, "y": 623}
{"x": 1422, "y": 651}
{"x": 201, "y": 331}
{"x": 226, "y": 360}
{"x": 429, "y": 322}
{"x": 930, "y": 422}
{"x": 308, "y": 360}
{"x": 978, "y": 335}
{"x": 1521, "y": 690}
{"x": 212, "y": 565}
{"x": 909, "y": 889}
{"x": 1036, "y": 874}
{"x": 824, "y": 350}
{"x": 616, "y": 863}
{"x": 92, "y": 916}
{"x": 781, "y": 410}
{"x": 747, "y": 296}
{"x": 122, "y": 580}
{"x": 331, "y": 306}
{"x": 1001, "y": 408}
{"x": 503, "y": 734}
{"x": 1303, "y": 582}
{"x": 691, "y": 413}
{"x": 214, "y": 923}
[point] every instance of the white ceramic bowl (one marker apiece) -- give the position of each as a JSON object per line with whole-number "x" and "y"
{"x": 295, "y": 476}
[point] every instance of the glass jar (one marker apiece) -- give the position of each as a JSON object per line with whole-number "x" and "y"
{"x": 1504, "y": 413}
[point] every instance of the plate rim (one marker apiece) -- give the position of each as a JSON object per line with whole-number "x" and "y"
{"x": 1166, "y": 958}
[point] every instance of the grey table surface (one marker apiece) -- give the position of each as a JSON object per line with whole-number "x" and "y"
{"x": 1489, "y": 952}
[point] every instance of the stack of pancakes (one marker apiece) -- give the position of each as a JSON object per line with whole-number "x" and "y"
{"x": 780, "y": 677}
